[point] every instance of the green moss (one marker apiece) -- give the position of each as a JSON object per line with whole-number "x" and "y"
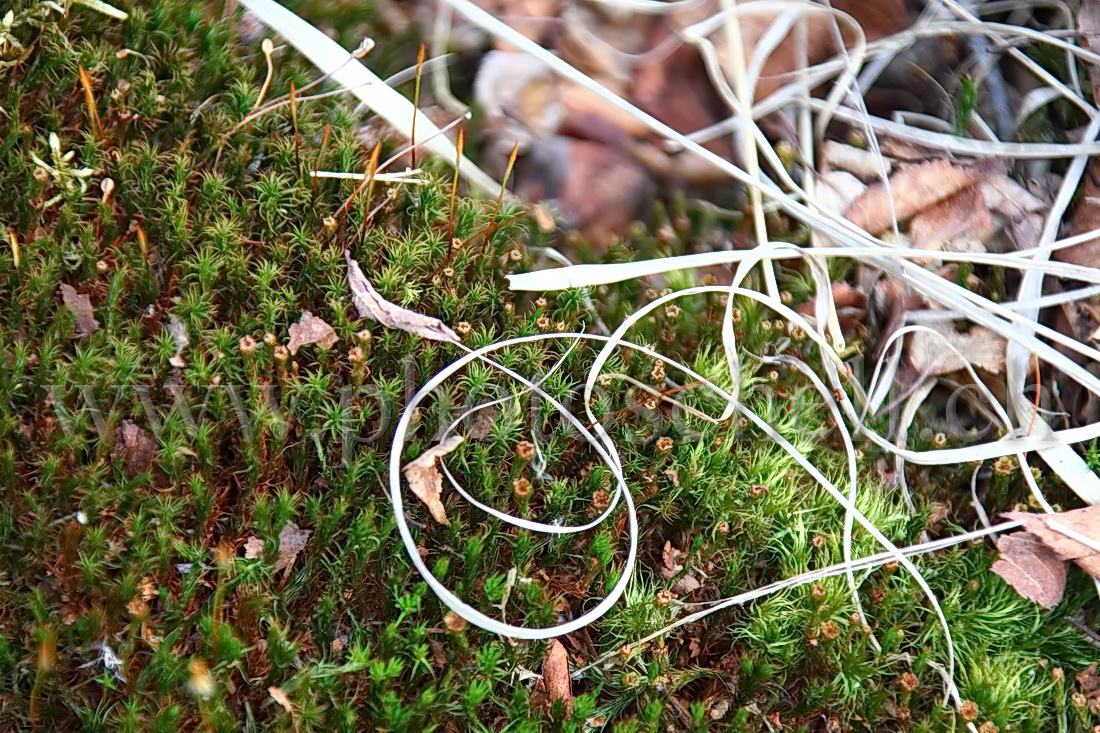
{"x": 219, "y": 226}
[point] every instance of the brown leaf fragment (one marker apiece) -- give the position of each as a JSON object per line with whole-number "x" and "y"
{"x": 912, "y": 190}
{"x": 253, "y": 548}
{"x": 311, "y": 330}
{"x": 292, "y": 540}
{"x": 1032, "y": 568}
{"x": 686, "y": 585}
{"x": 850, "y": 304}
{"x": 136, "y": 447}
{"x": 81, "y": 306}
{"x": 482, "y": 426}
{"x": 372, "y": 305}
{"x": 555, "y": 674}
{"x": 1089, "y": 682}
{"x": 1056, "y": 532}
{"x": 1086, "y": 218}
{"x": 964, "y": 214}
{"x": 280, "y": 697}
{"x": 669, "y": 561}
{"x": 979, "y": 347}
{"x": 426, "y": 481}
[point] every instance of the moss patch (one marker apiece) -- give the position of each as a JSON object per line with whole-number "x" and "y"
{"x": 146, "y": 485}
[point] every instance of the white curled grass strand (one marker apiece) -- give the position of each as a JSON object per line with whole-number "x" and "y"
{"x": 456, "y": 604}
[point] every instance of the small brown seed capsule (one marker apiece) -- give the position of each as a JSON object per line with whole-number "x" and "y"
{"x": 454, "y": 623}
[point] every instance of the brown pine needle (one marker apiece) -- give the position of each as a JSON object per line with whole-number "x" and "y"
{"x": 297, "y": 136}
{"x": 416, "y": 100}
{"x": 89, "y": 99}
{"x": 454, "y": 194}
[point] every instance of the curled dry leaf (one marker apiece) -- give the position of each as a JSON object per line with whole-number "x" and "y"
{"x": 81, "y": 306}
{"x": 850, "y": 304}
{"x": 1032, "y": 568}
{"x": 555, "y": 674}
{"x": 311, "y": 330}
{"x": 372, "y": 305}
{"x": 426, "y": 481}
{"x": 178, "y": 332}
{"x": 911, "y": 190}
{"x": 292, "y": 540}
{"x": 687, "y": 585}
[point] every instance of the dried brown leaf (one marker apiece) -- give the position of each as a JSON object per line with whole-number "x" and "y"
{"x": 292, "y": 540}
{"x": 555, "y": 674}
{"x": 426, "y": 481}
{"x": 670, "y": 565}
{"x": 1089, "y": 682}
{"x": 280, "y": 697}
{"x": 850, "y": 304}
{"x": 372, "y": 305}
{"x": 253, "y": 548}
{"x": 1086, "y": 218}
{"x": 979, "y": 346}
{"x": 964, "y": 214}
{"x": 686, "y": 585}
{"x": 912, "y": 190}
{"x": 1046, "y": 529}
{"x": 311, "y": 330}
{"x": 136, "y": 447}
{"x": 1032, "y": 568}
{"x": 878, "y": 19}
{"x": 81, "y": 306}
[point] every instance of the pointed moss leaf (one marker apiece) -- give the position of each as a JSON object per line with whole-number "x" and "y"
{"x": 426, "y": 481}
{"x": 372, "y": 305}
